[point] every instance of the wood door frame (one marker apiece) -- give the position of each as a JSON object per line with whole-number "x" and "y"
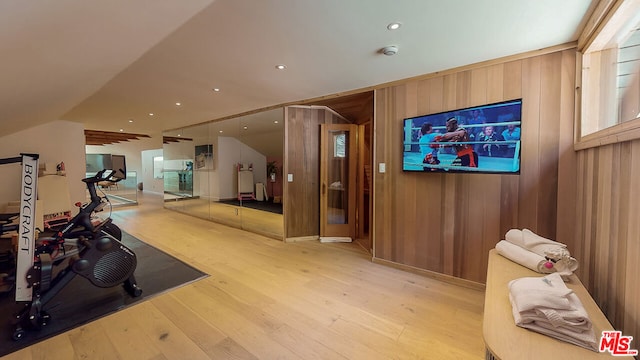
{"x": 365, "y": 165}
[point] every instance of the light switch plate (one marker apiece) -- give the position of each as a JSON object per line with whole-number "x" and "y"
{"x": 382, "y": 168}
{"x": 290, "y": 177}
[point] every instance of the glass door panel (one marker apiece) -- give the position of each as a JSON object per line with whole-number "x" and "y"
{"x": 338, "y": 179}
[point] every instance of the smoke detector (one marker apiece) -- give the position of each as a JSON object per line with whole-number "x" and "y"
{"x": 390, "y": 50}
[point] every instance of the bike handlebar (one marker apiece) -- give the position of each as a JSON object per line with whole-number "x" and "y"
{"x": 102, "y": 175}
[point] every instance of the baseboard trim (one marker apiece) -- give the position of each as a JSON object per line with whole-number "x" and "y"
{"x": 329, "y": 239}
{"x": 301, "y": 238}
{"x": 431, "y": 274}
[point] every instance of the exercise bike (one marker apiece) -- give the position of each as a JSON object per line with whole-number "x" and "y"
{"x": 87, "y": 246}
{"x": 8, "y": 223}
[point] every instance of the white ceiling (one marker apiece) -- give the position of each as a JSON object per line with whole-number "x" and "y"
{"x": 104, "y": 63}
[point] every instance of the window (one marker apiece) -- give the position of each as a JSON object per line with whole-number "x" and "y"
{"x": 339, "y": 145}
{"x": 610, "y": 96}
{"x": 158, "y": 167}
{"x": 628, "y": 79}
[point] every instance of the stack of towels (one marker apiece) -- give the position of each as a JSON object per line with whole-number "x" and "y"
{"x": 547, "y": 306}
{"x": 537, "y": 253}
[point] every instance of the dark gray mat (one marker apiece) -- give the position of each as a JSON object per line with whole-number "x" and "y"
{"x": 80, "y": 302}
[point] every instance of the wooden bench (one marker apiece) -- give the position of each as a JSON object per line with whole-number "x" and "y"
{"x": 504, "y": 340}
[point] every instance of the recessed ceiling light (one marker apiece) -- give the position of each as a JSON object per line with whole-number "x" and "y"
{"x": 221, "y": 131}
{"x": 150, "y": 114}
{"x": 216, "y": 89}
{"x": 394, "y": 26}
{"x": 245, "y": 128}
{"x": 130, "y": 120}
{"x": 275, "y": 122}
{"x": 121, "y": 130}
{"x": 178, "y": 104}
{"x": 280, "y": 67}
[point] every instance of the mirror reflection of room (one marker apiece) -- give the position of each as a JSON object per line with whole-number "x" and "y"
{"x": 229, "y": 171}
{"x": 178, "y": 178}
{"x": 123, "y": 192}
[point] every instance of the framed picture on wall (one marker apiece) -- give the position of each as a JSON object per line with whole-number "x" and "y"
{"x": 204, "y": 156}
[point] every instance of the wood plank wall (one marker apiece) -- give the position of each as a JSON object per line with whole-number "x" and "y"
{"x": 301, "y": 199}
{"x": 608, "y": 208}
{"x": 447, "y": 223}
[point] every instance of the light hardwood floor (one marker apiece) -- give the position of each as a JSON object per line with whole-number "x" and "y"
{"x": 266, "y": 299}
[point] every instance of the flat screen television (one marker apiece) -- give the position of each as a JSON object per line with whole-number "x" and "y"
{"x": 479, "y": 139}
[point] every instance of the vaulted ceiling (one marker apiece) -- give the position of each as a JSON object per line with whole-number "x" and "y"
{"x": 111, "y": 64}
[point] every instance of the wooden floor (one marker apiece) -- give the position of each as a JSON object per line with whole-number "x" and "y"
{"x": 266, "y": 299}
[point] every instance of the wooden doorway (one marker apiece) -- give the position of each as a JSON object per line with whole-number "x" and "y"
{"x": 365, "y": 187}
{"x": 338, "y": 181}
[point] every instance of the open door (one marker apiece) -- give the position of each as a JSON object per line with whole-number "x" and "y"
{"x": 338, "y": 168}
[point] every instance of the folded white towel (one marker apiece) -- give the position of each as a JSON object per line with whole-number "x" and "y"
{"x": 523, "y": 257}
{"x": 574, "y": 319}
{"x": 527, "y": 239}
{"x": 530, "y": 293}
{"x": 585, "y": 339}
{"x": 546, "y": 305}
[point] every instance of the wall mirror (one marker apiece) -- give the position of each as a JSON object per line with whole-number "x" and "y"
{"x": 228, "y": 173}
